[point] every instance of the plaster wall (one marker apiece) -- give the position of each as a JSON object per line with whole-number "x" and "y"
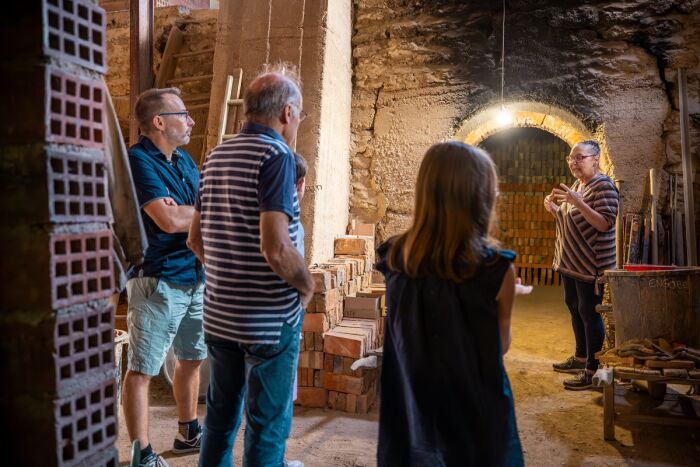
{"x": 423, "y": 69}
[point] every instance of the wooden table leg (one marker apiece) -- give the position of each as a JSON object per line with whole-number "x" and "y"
{"x": 609, "y": 411}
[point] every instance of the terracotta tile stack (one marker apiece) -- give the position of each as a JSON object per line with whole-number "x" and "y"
{"x": 343, "y": 322}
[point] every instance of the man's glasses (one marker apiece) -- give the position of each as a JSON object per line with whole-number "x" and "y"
{"x": 576, "y": 159}
{"x": 182, "y": 113}
{"x": 302, "y": 115}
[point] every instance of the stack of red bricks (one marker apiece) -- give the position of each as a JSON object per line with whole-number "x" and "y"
{"x": 342, "y": 324}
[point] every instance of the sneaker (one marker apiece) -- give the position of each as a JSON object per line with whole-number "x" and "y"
{"x": 183, "y": 446}
{"x": 570, "y": 365}
{"x": 153, "y": 460}
{"x": 293, "y": 463}
{"x": 583, "y": 380}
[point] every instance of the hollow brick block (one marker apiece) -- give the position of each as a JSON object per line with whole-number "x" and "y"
{"x": 71, "y": 347}
{"x": 67, "y": 267}
{"x": 46, "y": 185}
{"x": 47, "y": 104}
{"x": 73, "y": 31}
{"x": 78, "y": 429}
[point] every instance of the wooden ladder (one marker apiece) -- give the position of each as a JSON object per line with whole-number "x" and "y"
{"x": 232, "y": 96}
{"x": 196, "y": 103}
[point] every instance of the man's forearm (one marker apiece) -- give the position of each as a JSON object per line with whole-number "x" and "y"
{"x": 181, "y": 218}
{"x": 287, "y": 263}
{"x": 194, "y": 238}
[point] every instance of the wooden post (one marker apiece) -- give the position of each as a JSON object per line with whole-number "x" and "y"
{"x": 609, "y": 411}
{"x": 619, "y": 240}
{"x": 140, "y": 57}
{"x": 688, "y": 173}
{"x": 653, "y": 190}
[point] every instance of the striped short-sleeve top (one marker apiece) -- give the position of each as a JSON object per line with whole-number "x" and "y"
{"x": 245, "y": 301}
{"x": 581, "y": 251}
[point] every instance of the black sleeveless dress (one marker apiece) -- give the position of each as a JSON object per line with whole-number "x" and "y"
{"x": 445, "y": 396}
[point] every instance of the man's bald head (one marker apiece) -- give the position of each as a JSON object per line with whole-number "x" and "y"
{"x": 269, "y": 93}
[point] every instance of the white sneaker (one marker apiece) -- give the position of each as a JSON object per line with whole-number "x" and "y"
{"x": 293, "y": 463}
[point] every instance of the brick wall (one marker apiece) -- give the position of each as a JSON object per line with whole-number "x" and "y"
{"x": 530, "y": 163}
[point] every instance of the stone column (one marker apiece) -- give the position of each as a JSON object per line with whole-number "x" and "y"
{"x": 313, "y": 35}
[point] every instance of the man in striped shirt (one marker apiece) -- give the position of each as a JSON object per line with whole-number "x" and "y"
{"x": 244, "y": 228}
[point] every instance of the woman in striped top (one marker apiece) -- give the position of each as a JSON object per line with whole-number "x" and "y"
{"x": 585, "y": 247}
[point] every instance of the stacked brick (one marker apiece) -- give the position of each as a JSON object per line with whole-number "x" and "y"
{"x": 343, "y": 323}
{"x": 59, "y": 391}
{"x": 529, "y": 167}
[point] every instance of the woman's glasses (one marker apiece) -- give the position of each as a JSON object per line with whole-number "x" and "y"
{"x": 577, "y": 158}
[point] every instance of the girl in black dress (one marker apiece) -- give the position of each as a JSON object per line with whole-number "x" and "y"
{"x": 445, "y": 396}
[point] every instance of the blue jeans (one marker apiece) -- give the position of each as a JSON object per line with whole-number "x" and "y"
{"x": 262, "y": 376}
{"x": 588, "y": 326}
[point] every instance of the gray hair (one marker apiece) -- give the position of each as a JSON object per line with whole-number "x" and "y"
{"x": 592, "y": 145}
{"x": 271, "y": 91}
{"x": 149, "y": 104}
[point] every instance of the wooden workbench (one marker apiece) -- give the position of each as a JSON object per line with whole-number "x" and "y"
{"x": 610, "y": 416}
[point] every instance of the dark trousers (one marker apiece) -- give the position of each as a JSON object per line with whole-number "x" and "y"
{"x": 258, "y": 378}
{"x": 588, "y": 327}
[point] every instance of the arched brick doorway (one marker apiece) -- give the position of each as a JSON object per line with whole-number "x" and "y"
{"x": 530, "y": 163}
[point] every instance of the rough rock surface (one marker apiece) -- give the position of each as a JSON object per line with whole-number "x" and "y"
{"x": 422, "y": 68}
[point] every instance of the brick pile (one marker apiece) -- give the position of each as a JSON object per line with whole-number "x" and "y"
{"x": 58, "y": 328}
{"x": 343, "y": 323}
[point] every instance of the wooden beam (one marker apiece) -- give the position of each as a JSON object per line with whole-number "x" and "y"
{"x": 688, "y": 173}
{"x": 140, "y": 56}
{"x": 619, "y": 230}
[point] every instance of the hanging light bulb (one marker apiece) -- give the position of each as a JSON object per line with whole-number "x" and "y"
{"x": 504, "y": 117}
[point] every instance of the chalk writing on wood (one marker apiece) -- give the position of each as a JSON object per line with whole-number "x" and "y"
{"x": 668, "y": 284}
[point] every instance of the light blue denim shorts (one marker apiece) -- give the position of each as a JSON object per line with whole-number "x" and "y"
{"x": 160, "y": 315}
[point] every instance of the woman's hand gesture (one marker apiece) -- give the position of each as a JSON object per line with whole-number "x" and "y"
{"x": 549, "y": 203}
{"x": 567, "y": 195}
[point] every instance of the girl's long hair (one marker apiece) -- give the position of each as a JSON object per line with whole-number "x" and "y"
{"x": 454, "y": 214}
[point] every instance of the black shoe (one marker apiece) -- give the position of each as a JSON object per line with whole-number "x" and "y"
{"x": 183, "y": 446}
{"x": 580, "y": 382}
{"x": 570, "y": 365}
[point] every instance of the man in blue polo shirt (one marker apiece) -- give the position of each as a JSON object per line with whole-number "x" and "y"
{"x": 166, "y": 290}
{"x": 245, "y": 228}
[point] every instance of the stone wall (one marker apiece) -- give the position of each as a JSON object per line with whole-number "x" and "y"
{"x": 422, "y": 68}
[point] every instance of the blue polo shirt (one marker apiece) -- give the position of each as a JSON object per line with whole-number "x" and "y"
{"x": 167, "y": 256}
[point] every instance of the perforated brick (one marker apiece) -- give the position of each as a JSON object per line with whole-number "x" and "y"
{"x": 77, "y": 188}
{"x": 84, "y": 343}
{"x": 76, "y": 110}
{"x": 76, "y": 32}
{"x": 86, "y": 422}
{"x": 81, "y": 266}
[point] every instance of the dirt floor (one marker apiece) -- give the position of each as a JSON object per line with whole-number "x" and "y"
{"x": 557, "y": 427}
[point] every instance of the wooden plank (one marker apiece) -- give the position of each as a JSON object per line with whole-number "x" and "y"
{"x": 140, "y": 57}
{"x": 688, "y": 172}
{"x": 609, "y": 411}
{"x": 668, "y": 421}
{"x": 166, "y": 70}
{"x": 191, "y": 54}
{"x": 188, "y": 79}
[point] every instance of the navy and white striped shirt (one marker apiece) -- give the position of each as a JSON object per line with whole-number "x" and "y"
{"x": 581, "y": 251}
{"x": 244, "y": 300}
